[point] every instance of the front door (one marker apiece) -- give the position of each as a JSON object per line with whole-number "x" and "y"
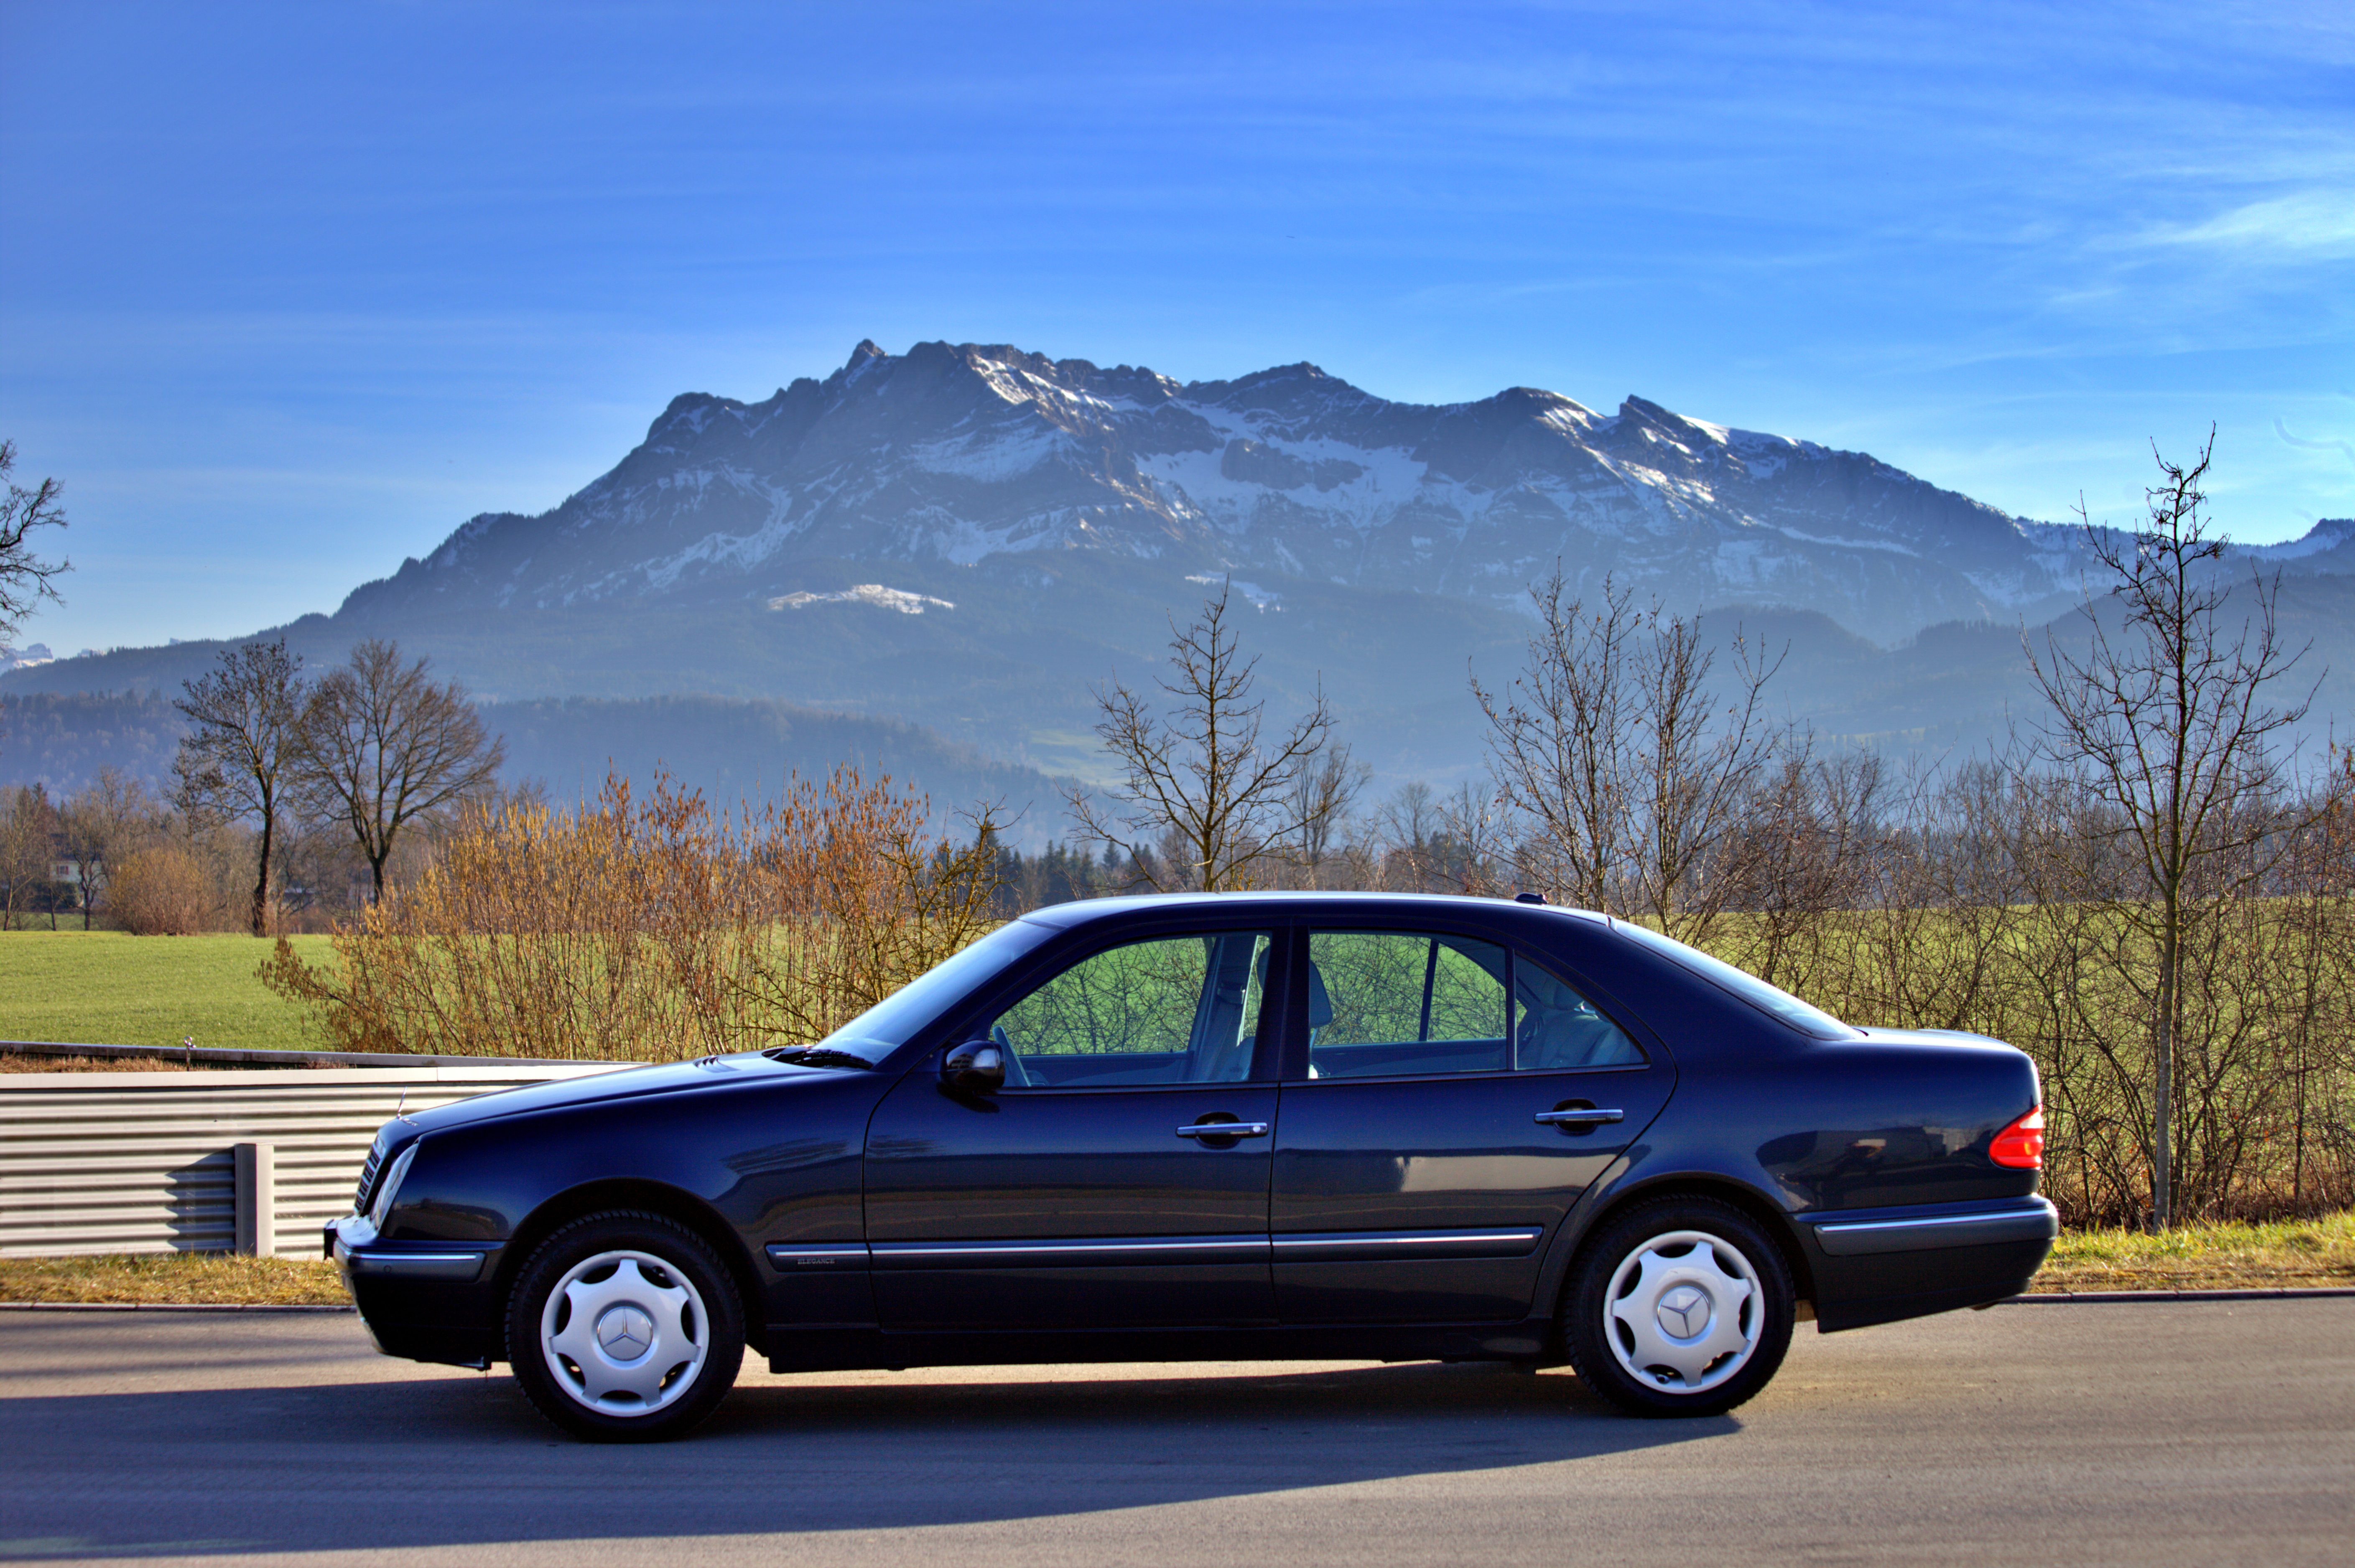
{"x": 1095, "y": 1189}
{"x": 1442, "y": 1130}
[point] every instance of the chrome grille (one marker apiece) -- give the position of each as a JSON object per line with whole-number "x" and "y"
{"x": 368, "y": 1175}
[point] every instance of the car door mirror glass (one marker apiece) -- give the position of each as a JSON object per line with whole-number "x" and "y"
{"x": 976, "y": 1067}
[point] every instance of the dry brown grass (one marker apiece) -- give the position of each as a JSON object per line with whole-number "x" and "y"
{"x": 24, "y": 1061}
{"x": 2277, "y": 1255}
{"x": 651, "y": 926}
{"x": 174, "y": 1278}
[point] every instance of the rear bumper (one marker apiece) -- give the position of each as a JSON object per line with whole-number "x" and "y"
{"x": 2033, "y": 1219}
{"x": 1883, "y": 1264}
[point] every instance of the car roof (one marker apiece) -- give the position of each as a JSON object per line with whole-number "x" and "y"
{"x": 1440, "y": 906}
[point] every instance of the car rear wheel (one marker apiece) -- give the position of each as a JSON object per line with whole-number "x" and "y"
{"x": 623, "y": 1327}
{"x": 1681, "y": 1307}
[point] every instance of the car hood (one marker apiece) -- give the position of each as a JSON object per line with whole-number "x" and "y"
{"x": 622, "y": 1084}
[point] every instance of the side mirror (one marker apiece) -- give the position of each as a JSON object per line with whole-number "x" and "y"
{"x": 976, "y": 1067}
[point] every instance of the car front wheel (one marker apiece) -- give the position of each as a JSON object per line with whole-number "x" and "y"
{"x": 1680, "y": 1307}
{"x": 624, "y": 1327}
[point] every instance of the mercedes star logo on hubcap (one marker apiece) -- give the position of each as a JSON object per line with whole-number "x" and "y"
{"x": 625, "y": 1333}
{"x": 1684, "y": 1311}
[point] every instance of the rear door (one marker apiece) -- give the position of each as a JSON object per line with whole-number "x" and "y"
{"x": 1096, "y": 1188}
{"x": 1457, "y": 1098}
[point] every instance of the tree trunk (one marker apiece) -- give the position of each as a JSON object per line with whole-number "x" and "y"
{"x": 261, "y": 922}
{"x": 2162, "y": 1114}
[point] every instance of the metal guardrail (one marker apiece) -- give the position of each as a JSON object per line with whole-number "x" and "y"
{"x": 148, "y": 1163}
{"x": 193, "y": 1055}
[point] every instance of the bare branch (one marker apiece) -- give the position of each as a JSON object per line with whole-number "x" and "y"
{"x": 25, "y": 578}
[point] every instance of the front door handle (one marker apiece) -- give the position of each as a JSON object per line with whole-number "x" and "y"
{"x": 1580, "y": 1115}
{"x": 1224, "y": 1130}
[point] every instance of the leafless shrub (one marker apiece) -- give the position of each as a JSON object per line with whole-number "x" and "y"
{"x": 650, "y": 926}
{"x": 162, "y": 891}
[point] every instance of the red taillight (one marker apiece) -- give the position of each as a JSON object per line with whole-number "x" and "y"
{"x": 2021, "y": 1144}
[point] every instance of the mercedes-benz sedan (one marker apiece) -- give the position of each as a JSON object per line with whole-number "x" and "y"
{"x": 1229, "y": 1127}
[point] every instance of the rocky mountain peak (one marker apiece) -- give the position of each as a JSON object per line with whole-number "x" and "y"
{"x": 960, "y": 454}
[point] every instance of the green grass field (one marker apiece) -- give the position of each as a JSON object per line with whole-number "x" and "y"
{"x": 104, "y": 987}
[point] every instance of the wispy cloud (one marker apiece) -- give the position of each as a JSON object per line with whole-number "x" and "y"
{"x": 2311, "y": 225}
{"x": 2348, "y": 447}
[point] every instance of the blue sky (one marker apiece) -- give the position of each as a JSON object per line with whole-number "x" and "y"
{"x": 288, "y": 293}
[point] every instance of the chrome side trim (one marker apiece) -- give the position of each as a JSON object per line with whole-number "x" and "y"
{"x": 1087, "y": 1252}
{"x": 789, "y": 1258}
{"x": 1393, "y": 1246}
{"x": 1865, "y": 1238}
{"x": 412, "y": 1265}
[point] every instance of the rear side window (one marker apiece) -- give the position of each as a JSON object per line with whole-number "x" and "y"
{"x": 1768, "y": 998}
{"x": 1399, "y": 1003}
{"x": 1557, "y": 1030}
{"x": 1383, "y": 1004}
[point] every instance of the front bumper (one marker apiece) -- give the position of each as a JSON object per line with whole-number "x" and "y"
{"x": 424, "y": 1302}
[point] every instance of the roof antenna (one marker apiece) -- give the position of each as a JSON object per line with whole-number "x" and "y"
{"x": 1529, "y": 898}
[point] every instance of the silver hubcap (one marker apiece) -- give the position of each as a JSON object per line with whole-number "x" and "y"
{"x": 625, "y": 1333}
{"x": 1684, "y": 1313}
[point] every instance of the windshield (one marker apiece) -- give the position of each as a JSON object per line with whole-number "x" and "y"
{"x": 1770, "y": 999}
{"x": 886, "y": 1026}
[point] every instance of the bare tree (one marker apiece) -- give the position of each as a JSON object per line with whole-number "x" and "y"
{"x": 239, "y": 763}
{"x": 1626, "y": 775}
{"x": 2167, "y": 722}
{"x": 1809, "y": 843}
{"x": 1324, "y": 792}
{"x": 99, "y": 825}
{"x": 381, "y": 746}
{"x": 1201, "y": 779}
{"x": 28, "y": 831}
{"x": 25, "y": 578}
{"x": 1409, "y": 825}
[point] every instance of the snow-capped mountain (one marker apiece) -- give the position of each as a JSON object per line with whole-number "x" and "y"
{"x": 975, "y": 539}
{"x": 960, "y": 455}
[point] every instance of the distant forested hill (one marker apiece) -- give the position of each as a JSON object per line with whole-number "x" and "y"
{"x": 730, "y": 749}
{"x": 61, "y": 739}
{"x": 733, "y": 750}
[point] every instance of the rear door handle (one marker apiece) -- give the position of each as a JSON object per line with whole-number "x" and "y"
{"x": 1224, "y": 1130}
{"x": 1589, "y": 1116}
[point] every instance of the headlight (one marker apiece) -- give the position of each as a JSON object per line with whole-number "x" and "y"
{"x": 390, "y": 1186}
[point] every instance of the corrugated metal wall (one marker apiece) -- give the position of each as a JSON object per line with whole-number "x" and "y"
{"x": 95, "y": 1162}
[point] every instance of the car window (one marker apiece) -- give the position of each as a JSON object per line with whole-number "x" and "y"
{"x": 1176, "y": 1010}
{"x": 883, "y": 1028}
{"x": 1557, "y": 1030}
{"x": 1383, "y": 1004}
{"x": 1768, "y": 998}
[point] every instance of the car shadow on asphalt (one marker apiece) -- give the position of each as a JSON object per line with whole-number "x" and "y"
{"x": 454, "y": 1461}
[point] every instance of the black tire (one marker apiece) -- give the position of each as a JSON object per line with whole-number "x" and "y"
{"x": 617, "y": 1282}
{"x": 1691, "y": 1262}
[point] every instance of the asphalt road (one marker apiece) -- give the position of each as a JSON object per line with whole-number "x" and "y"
{"x": 2080, "y": 1434}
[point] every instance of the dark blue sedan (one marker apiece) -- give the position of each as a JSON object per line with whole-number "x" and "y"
{"x": 1225, "y": 1127}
